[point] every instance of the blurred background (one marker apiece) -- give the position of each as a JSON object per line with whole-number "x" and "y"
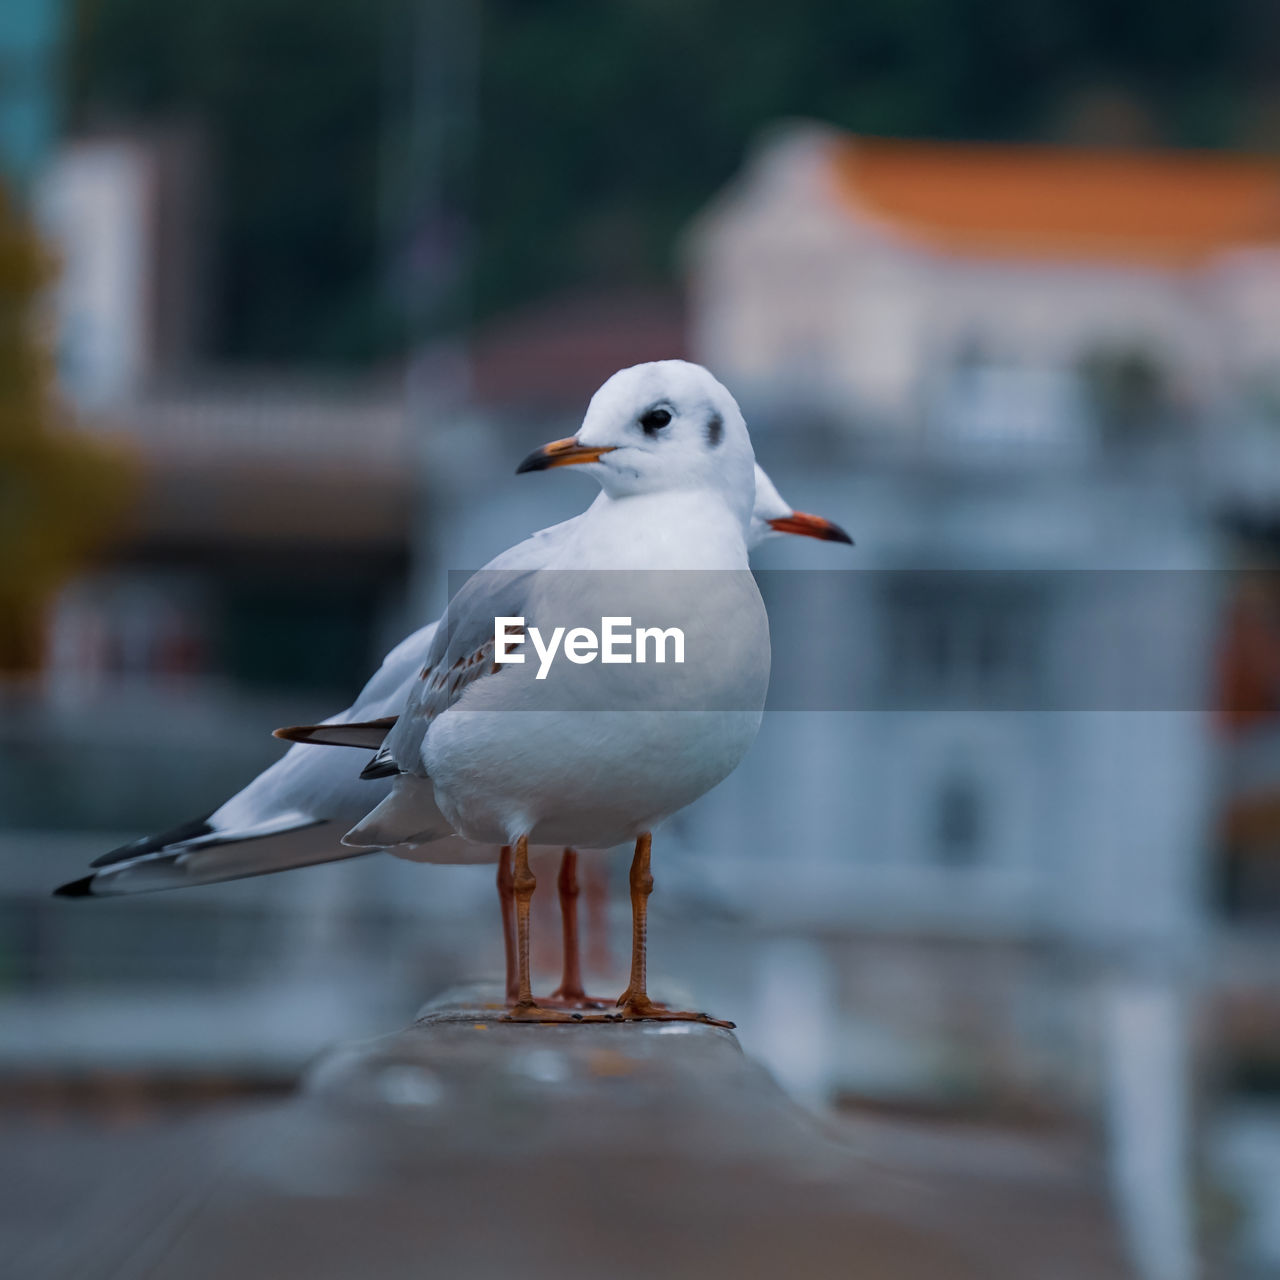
{"x": 286, "y": 290}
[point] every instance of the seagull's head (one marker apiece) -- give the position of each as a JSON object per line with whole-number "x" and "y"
{"x": 661, "y": 426}
{"x": 773, "y": 515}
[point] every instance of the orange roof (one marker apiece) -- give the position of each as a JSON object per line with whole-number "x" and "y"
{"x": 1167, "y": 207}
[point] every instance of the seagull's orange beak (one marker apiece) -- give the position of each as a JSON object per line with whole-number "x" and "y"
{"x": 808, "y": 526}
{"x": 562, "y": 453}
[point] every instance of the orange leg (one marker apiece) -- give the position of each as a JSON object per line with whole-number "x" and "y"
{"x": 523, "y": 884}
{"x": 569, "y": 994}
{"x": 506, "y": 896}
{"x": 596, "y": 885}
{"x": 634, "y": 1001}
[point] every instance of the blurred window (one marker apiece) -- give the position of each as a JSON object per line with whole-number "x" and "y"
{"x": 962, "y": 639}
{"x": 958, "y": 821}
{"x": 1005, "y": 402}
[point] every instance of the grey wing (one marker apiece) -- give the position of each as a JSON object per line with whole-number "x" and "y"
{"x": 282, "y": 843}
{"x": 461, "y": 654}
{"x": 291, "y": 815}
{"x": 461, "y": 650}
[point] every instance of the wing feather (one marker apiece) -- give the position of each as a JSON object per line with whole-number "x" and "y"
{"x": 461, "y": 654}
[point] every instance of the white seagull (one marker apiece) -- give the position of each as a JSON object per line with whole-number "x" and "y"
{"x": 293, "y": 813}
{"x": 578, "y": 754}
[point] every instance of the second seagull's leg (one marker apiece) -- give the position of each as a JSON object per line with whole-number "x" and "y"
{"x": 571, "y": 976}
{"x": 595, "y": 877}
{"x": 634, "y": 1001}
{"x": 506, "y": 896}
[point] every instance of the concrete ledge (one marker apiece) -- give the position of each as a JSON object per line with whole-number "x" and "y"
{"x": 466, "y": 1147}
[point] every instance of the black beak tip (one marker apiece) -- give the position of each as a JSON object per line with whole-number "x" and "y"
{"x": 536, "y": 461}
{"x": 839, "y": 535}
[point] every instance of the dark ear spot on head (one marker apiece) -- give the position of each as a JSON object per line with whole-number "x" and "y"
{"x": 715, "y": 430}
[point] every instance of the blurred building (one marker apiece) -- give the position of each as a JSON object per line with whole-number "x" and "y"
{"x": 986, "y": 289}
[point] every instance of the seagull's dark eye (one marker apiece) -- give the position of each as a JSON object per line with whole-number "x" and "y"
{"x": 654, "y": 420}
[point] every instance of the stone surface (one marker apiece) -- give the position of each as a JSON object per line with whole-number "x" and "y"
{"x": 465, "y": 1146}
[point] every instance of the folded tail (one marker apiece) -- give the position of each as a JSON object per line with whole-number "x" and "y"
{"x": 407, "y": 816}
{"x": 280, "y": 844}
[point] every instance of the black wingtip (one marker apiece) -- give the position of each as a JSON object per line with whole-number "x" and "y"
{"x": 377, "y": 768}
{"x": 153, "y": 844}
{"x": 75, "y": 889}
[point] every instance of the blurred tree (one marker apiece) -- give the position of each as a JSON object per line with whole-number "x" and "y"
{"x": 596, "y": 130}
{"x": 58, "y": 490}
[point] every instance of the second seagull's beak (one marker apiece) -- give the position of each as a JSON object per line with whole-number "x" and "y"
{"x": 810, "y": 527}
{"x": 563, "y": 453}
